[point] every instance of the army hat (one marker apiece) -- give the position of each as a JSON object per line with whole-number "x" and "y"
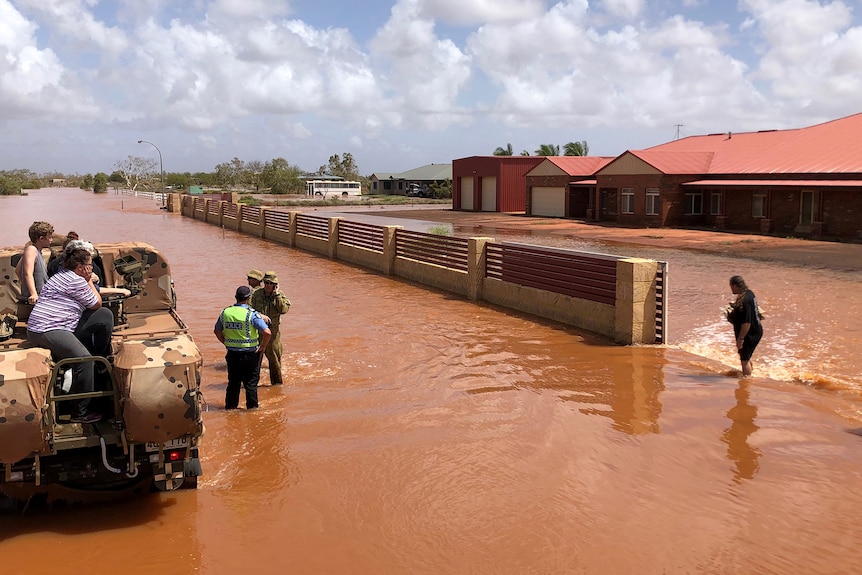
{"x": 255, "y": 275}
{"x": 270, "y": 277}
{"x": 243, "y": 293}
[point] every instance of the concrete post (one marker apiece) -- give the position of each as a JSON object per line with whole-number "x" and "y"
{"x": 634, "y": 317}
{"x": 263, "y": 221}
{"x": 476, "y": 267}
{"x": 291, "y": 229}
{"x": 333, "y": 238}
{"x": 389, "y": 249}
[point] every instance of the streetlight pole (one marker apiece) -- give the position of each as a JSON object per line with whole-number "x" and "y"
{"x": 161, "y": 167}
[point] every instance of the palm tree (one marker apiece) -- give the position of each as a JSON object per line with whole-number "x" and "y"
{"x": 548, "y": 150}
{"x": 507, "y": 151}
{"x": 525, "y": 153}
{"x": 577, "y": 149}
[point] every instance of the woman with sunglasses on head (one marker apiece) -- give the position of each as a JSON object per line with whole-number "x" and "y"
{"x": 744, "y": 314}
{"x": 69, "y": 319}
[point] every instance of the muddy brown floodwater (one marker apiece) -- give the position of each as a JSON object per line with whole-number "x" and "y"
{"x": 421, "y": 433}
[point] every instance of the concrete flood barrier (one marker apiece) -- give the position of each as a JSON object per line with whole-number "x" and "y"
{"x": 621, "y": 298}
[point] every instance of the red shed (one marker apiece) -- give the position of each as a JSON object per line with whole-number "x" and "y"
{"x": 491, "y": 183}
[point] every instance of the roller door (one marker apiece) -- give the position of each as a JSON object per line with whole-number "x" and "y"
{"x": 489, "y": 194}
{"x": 467, "y": 193}
{"x": 549, "y": 202}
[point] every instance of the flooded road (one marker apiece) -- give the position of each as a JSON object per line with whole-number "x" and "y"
{"x": 421, "y": 433}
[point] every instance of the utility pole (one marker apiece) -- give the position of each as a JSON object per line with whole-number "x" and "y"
{"x": 678, "y": 126}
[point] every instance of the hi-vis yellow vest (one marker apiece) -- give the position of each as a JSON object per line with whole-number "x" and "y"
{"x": 239, "y": 331}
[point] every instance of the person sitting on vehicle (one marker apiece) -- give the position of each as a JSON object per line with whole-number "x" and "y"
{"x": 69, "y": 320}
{"x": 31, "y": 269}
{"x": 70, "y": 244}
{"x": 57, "y": 255}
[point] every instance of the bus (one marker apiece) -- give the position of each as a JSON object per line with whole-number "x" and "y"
{"x": 332, "y": 187}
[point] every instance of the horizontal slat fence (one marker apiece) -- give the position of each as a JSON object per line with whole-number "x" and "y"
{"x": 433, "y": 249}
{"x": 251, "y": 214}
{"x": 361, "y": 235}
{"x": 230, "y": 211}
{"x": 591, "y": 277}
{"x": 277, "y": 220}
{"x": 312, "y": 226}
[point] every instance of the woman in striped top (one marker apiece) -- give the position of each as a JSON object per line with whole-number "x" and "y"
{"x": 69, "y": 319}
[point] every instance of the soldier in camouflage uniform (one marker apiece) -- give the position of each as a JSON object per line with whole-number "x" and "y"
{"x": 272, "y": 304}
{"x": 254, "y": 278}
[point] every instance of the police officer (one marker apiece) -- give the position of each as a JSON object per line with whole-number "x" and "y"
{"x": 272, "y": 303}
{"x": 245, "y": 335}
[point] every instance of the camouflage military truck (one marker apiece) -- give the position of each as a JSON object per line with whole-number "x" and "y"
{"x": 149, "y": 391}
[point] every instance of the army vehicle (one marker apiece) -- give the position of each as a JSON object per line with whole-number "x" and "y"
{"x": 148, "y": 392}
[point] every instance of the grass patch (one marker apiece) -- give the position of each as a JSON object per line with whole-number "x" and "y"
{"x": 440, "y": 230}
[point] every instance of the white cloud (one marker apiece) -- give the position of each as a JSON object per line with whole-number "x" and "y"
{"x": 426, "y": 72}
{"x": 477, "y": 12}
{"x": 74, "y": 20}
{"x": 230, "y": 11}
{"x": 302, "y": 83}
{"x": 33, "y": 82}
{"x": 627, "y": 9}
{"x": 811, "y": 53}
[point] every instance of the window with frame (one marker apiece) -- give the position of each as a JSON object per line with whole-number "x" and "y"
{"x": 652, "y": 202}
{"x": 628, "y": 201}
{"x": 715, "y": 204}
{"x": 758, "y": 205}
{"x": 694, "y": 203}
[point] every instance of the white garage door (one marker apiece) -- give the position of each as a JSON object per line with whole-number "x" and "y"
{"x": 549, "y": 202}
{"x": 489, "y": 194}
{"x": 467, "y": 193}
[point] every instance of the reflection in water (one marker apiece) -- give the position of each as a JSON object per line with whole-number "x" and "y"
{"x": 626, "y": 382}
{"x": 736, "y": 436}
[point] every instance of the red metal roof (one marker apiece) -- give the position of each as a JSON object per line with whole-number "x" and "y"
{"x": 833, "y": 147}
{"x": 777, "y": 183}
{"x": 580, "y": 165}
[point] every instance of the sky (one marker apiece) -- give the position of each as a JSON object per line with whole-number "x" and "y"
{"x": 405, "y": 83}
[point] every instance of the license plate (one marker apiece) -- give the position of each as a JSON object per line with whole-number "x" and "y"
{"x": 172, "y": 444}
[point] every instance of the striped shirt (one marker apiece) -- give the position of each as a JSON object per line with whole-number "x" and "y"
{"x": 63, "y": 300}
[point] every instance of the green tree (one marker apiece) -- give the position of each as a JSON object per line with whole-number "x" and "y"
{"x": 507, "y": 151}
{"x": 178, "y": 180}
{"x": 253, "y": 173}
{"x": 577, "y": 149}
{"x": 344, "y": 168}
{"x": 87, "y": 182}
{"x": 228, "y": 174}
{"x": 282, "y": 178}
{"x": 441, "y": 189}
{"x": 100, "y": 183}
{"x": 13, "y": 181}
{"x": 548, "y": 150}
{"x": 525, "y": 153}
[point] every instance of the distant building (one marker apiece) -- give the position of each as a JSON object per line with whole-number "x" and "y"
{"x": 398, "y": 183}
{"x": 804, "y": 182}
{"x": 491, "y": 183}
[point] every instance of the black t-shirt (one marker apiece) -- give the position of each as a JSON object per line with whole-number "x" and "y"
{"x": 746, "y": 313}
